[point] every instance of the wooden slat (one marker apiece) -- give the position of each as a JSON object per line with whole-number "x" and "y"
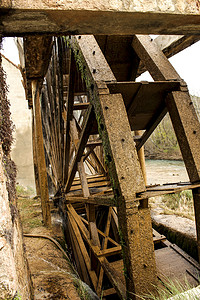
{"x": 83, "y": 250}
{"x": 80, "y": 106}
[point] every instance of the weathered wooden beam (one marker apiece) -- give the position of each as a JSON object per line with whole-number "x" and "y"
{"x": 37, "y": 51}
{"x": 171, "y": 45}
{"x": 68, "y": 115}
{"x": 124, "y": 168}
{"x": 40, "y": 156}
{"x": 20, "y": 18}
{"x": 35, "y": 160}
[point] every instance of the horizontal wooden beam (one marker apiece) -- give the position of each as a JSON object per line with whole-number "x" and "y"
{"x": 21, "y": 17}
{"x": 98, "y": 200}
{"x": 80, "y": 106}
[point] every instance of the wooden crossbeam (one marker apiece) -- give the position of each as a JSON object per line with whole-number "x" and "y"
{"x": 80, "y": 106}
{"x": 158, "y": 190}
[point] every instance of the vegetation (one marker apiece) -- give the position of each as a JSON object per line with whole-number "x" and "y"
{"x": 24, "y": 191}
{"x": 163, "y": 144}
{"x": 170, "y": 288}
{"x": 30, "y": 211}
{"x": 180, "y": 204}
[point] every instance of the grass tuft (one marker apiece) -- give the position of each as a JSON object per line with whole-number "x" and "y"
{"x": 180, "y": 204}
{"x": 171, "y": 288}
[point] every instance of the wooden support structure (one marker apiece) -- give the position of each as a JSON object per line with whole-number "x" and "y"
{"x": 91, "y": 105}
{"x": 118, "y": 143}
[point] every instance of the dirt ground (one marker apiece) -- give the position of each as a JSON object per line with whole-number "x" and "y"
{"x": 52, "y": 274}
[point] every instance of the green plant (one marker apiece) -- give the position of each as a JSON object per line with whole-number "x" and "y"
{"x": 179, "y": 204}
{"x": 17, "y": 297}
{"x": 24, "y": 191}
{"x": 169, "y": 288}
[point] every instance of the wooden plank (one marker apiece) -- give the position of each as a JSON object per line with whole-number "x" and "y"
{"x": 164, "y": 190}
{"x": 49, "y": 112}
{"x": 90, "y": 209}
{"x": 47, "y": 136}
{"x": 81, "y": 264}
{"x": 83, "y": 250}
{"x": 142, "y": 159}
{"x": 109, "y": 292}
{"x": 40, "y": 156}
{"x": 90, "y": 179}
{"x": 91, "y": 185}
{"x": 80, "y": 106}
{"x": 109, "y": 252}
{"x": 80, "y": 166}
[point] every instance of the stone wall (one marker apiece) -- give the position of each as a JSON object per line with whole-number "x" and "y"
{"x": 14, "y": 274}
{"x": 21, "y": 152}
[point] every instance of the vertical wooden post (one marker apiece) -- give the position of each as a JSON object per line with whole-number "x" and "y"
{"x": 142, "y": 159}
{"x": 35, "y": 161}
{"x": 40, "y": 155}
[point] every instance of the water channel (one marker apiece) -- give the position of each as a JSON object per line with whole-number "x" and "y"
{"x": 165, "y": 171}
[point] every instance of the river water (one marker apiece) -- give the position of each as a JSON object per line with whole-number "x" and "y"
{"x": 165, "y": 171}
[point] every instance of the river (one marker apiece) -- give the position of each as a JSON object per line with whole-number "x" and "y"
{"x": 165, "y": 171}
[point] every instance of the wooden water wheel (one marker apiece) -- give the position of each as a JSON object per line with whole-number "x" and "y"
{"x": 94, "y": 121}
